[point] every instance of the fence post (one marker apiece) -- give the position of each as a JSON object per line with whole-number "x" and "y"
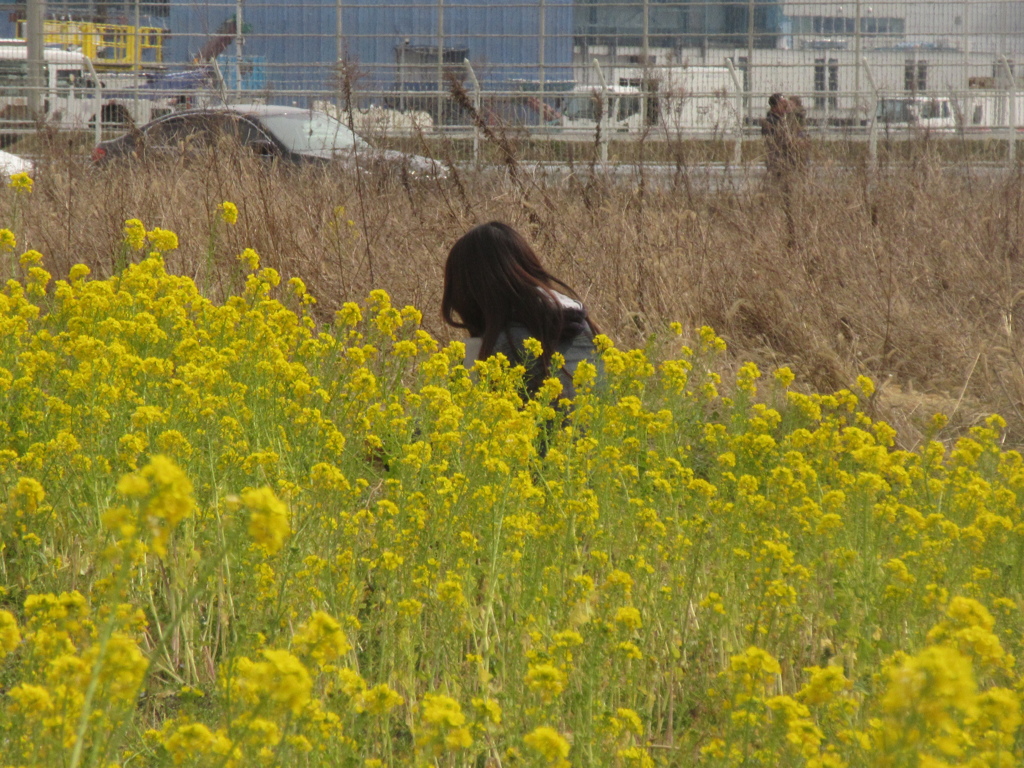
{"x": 604, "y": 112}
{"x": 476, "y": 108}
{"x": 737, "y": 149}
{"x": 97, "y": 97}
{"x": 1011, "y": 118}
{"x": 35, "y": 37}
{"x": 873, "y": 125}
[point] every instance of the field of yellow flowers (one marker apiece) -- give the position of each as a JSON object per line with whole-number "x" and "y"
{"x": 231, "y": 536}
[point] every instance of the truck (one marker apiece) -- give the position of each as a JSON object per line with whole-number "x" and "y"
{"x": 675, "y": 100}
{"x": 979, "y": 111}
{"x": 987, "y": 106}
{"x": 921, "y": 112}
{"x": 74, "y": 94}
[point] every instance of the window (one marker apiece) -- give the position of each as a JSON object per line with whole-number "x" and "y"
{"x": 826, "y": 75}
{"x": 915, "y": 75}
{"x": 819, "y": 83}
{"x": 833, "y": 82}
{"x": 13, "y": 74}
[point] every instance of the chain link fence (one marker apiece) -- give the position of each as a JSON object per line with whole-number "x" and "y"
{"x": 559, "y": 69}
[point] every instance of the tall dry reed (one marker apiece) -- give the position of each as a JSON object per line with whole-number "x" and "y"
{"x": 913, "y": 275}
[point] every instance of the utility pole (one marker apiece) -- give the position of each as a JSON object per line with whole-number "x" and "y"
{"x": 35, "y": 13}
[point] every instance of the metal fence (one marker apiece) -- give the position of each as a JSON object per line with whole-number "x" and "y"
{"x": 549, "y": 67}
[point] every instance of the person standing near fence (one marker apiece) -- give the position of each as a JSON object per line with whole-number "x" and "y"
{"x": 784, "y": 142}
{"x": 780, "y": 140}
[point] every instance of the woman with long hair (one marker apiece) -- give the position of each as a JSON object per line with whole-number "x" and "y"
{"x": 496, "y": 289}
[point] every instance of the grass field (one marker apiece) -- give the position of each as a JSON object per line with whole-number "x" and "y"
{"x": 254, "y": 511}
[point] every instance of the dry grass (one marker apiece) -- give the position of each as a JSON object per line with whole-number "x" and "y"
{"x": 913, "y": 276}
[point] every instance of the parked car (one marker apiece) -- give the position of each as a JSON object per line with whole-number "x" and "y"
{"x": 286, "y": 134}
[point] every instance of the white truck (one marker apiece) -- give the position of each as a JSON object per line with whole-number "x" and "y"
{"x": 925, "y": 113}
{"x": 676, "y": 100}
{"x": 979, "y": 111}
{"x": 74, "y": 94}
{"x": 986, "y": 109}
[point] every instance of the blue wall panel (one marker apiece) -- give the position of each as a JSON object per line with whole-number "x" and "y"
{"x": 299, "y": 44}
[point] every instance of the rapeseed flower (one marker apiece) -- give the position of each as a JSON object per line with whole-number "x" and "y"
{"x": 268, "y": 518}
{"x": 279, "y": 679}
{"x": 549, "y": 744}
{"x": 378, "y": 700}
{"x": 135, "y": 234}
{"x": 938, "y": 683}
{"x": 442, "y": 710}
{"x": 322, "y": 638}
{"x": 443, "y": 725}
{"x": 546, "y": 679}
{"x": 228, "y": 212}
{"x": 21, "y": 182}
{"x": 162, "y": 240}
{"x": 163, "y": 494}
{"x": 250, "y": 259}
{"x": 9, "y": 635}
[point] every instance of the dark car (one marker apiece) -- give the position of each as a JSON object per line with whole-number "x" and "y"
{"x": 288, "y": 134}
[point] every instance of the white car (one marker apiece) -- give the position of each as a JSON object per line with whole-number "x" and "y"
{"x": 12, "y": 164}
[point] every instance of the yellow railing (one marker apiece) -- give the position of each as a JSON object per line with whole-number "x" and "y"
{"x": 110, "y": 46}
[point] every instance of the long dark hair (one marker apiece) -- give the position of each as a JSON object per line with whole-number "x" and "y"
{"x": 493, "y": 278}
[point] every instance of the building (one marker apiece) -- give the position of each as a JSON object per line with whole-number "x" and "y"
{"x": 405, "y": 54}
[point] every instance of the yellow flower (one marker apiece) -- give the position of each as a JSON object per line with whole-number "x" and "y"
{"x": 349, "y": 314}
{"x": 546, "y": 679}
{"x": 9, "y": 636}
{"x": 784, "y": 376}
{"x": 250, "y": 258}
{"x": 442, "y": 710}
{"x": 533, "y": 347}
{"x": 458, "y": 738}
{"x": 135, "y": 234}
{"x": 123, "y": 666}
{"x": 162, "y": 240}
{"x": 191, "y": 740}
{"x": 30, "y": 258}
{"x": 268, "y": 518}
{"x": 7, "y": 240}
{"x": 824, "y": 684}
{"x": 279, "y": 679}
{"x": 628, "y": 617}
{"x": 165, "y": 495}
{"x": 378, "y": 700}
{"x": 549, "y": 744}
{"x": 635, "y": 756}
{"x": 754, "y": 669}
{"x": 322, "y": 638}
{"x": 933, "y": 684}
{"x": 21, "y": 182}
{"x": 228, "y": 212}
{"x": 488, "y": 709}
{"x": 31, "y": 699}
{"x": 631, "y": 719}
